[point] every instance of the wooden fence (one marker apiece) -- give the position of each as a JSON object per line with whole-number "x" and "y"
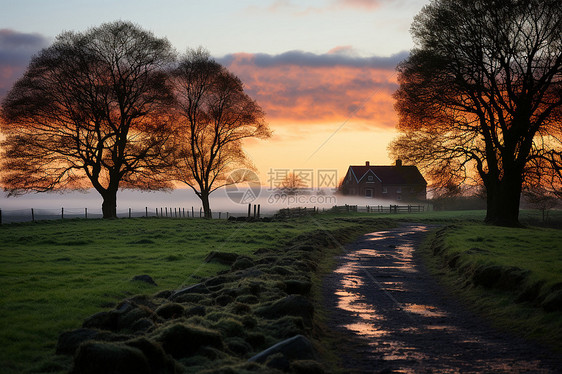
{"x": 380, "y": 208}
{"x": 253, "y": 212}
{"x": 33, "y": 214}
{"x": 395, "y": 209}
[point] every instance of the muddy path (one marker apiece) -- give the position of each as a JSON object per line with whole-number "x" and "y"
{"x": 393, "y": 317}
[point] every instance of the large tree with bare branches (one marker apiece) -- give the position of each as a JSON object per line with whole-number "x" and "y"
{"x": 480, "y": 97}
{"x": 215, "y": 116}
{"x": 91, "y": 110}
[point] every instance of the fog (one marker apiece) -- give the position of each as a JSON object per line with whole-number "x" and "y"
{"x": 77, "y": 204}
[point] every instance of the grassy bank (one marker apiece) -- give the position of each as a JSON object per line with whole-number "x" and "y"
{"x": 55, "y": 274}
{"x": 511, "y": 276}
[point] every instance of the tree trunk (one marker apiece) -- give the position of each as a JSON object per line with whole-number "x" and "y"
{"x": 503, "y": 199}
{"x": 204, "y": 196}
{"x": 109, "y": 205}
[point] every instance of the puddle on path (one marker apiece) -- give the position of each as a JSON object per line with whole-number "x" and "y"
{"x": 424, "y": 310}
{"x": 379, "y": 292}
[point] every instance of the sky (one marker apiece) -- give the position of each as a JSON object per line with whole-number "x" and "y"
{"x": 322, "y": 70}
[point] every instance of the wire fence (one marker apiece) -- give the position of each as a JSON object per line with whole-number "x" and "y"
{"x": 34, "y": 214}
{"x": 253, "y": 211}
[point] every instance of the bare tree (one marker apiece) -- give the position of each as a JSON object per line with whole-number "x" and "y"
{"x": 215, "y": 116}
{"x": 542, "y": 199}
{"x": 291, "y": 184}
{"x": 480, "y": 96}
{"x": 91, "y": 109}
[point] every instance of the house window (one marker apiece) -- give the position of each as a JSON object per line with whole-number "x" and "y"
{"x": 384, "y": 190}
{"x": 368, "y": 192}
{"x": 399, "y": 190}
{"x": 370, "y": 179}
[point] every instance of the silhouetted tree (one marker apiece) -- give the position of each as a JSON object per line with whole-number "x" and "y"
{"x": 92, "y": 107}
{"x": 480, "y": 94}
{"x": 291, "y": 184}
{"x": 215, "y": 115}
{"x": 542, "y": 199}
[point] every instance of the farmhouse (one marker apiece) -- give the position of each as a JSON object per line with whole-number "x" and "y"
{"x": 396, "y": 182}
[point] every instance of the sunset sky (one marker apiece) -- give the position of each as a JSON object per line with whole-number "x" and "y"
{"x": 323, "y": 71}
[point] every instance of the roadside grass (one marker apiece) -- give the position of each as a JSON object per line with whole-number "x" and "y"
{"x": 54, "y": 274}
{"x": 511, "y": 276}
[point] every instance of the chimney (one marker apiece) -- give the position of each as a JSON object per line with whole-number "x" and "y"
{"x": 367, "y": 163}
{"x": 398, "y": 163}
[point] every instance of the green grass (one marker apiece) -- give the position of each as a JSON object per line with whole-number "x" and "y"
{"x": 465, "y": 251}
{"x": 538, "y": 250}
{"x": 54, "y": 274}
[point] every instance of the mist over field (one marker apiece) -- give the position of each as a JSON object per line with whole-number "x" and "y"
{"x": 48, "y": 205}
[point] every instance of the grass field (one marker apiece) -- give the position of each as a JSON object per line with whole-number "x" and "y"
{"x": 511, "y": 276}
{"x": 54, "y": 274}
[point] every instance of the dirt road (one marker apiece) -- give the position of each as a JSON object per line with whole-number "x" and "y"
{"x": 394, "y": 318}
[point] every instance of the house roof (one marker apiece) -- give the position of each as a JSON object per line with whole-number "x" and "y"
{"x": 401, "y": 175}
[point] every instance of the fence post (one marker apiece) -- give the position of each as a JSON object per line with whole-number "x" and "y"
{"x": 249, "y": 209}
{"x": 0, "y": 217}
{"x": 146, "y": 211}
{"x": 156, "y": 212}
{"x": 86, "y": 213}
{"x": 32, "y": 215}
{"x": 129, "y": 212}
{"x": 62, "y": 213}
{"x": 259, "y": 207}
{"x": 255, "y": 210}
{"x": 219, "y": 215}
{"x": 192, "y": 212}
{"x": 200, "y": 212}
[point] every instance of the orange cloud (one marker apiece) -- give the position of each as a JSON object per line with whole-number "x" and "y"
{"x": 308, "y": 88}
{"x": 365, "y": 4}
